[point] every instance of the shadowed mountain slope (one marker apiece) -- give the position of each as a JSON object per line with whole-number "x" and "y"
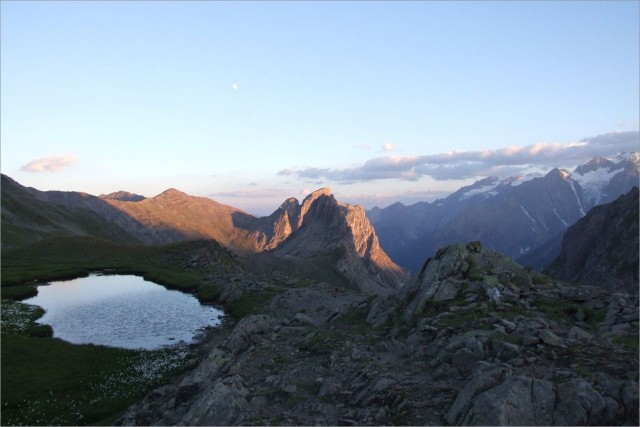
{"x": 28, "y": 216}
{"x": 602, "y": 248}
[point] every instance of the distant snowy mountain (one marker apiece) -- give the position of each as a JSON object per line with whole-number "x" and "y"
{"x": 514, "y": 215}
{"x": 602, "y": 179}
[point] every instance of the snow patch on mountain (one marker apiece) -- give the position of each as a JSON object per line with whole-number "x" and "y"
{"x": 481, "y": 190}
{"x": 519, "y": 180}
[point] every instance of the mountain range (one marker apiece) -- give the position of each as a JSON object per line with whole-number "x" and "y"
{"x": 523, "y": 217}
{"x": 320, "y": 237}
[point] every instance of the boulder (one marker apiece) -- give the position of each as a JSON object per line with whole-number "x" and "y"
{"x": 485, "y": 376}
{"x": 550, "y": 338}
{"x": 219, "y": 404}
{"x": 578, "y": 404}
{"x": 249, "y": 331}
{"x": 510, "y": 403}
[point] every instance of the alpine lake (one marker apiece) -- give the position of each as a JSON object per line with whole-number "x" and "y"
{"x": 91, "y": 346}
{"x": 122, "y": 311}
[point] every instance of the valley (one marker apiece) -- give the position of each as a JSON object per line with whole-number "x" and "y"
{"x": 327, "y": 213}
{"x": 321, "y": 326}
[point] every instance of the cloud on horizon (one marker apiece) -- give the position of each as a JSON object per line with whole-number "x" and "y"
{"x": 470, "y": 164}
{"x": 49, "y": 164}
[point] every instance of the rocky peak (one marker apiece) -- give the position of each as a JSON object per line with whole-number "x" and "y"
{"x": 325, "y": 191}
{"x": 444, "y": 276}
{"x": 594, "y": 164}
{"x": 326, "y": 226}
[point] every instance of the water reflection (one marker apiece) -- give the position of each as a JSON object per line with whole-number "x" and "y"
{"x": 121, "y": 311}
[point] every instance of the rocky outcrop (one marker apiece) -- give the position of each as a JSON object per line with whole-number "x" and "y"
{"x": 602, "y": 248}
{"x": 543, "y": 353}
{"x": 326, "y": 227}
{"x": 445, "y": 276}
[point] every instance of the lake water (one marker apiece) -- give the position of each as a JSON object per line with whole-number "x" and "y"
{"x": 122, "y": 311}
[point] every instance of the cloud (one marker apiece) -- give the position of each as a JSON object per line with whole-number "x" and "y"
{"x": 387, "y": 146}
{"x": 470, "y": 164}
{"x": 362, "y": 147}
{"x": 49, "y": 164}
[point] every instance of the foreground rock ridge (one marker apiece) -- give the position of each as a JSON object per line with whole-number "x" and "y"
{"x": 320, "y": 238}
{"x": 474, "y": 339}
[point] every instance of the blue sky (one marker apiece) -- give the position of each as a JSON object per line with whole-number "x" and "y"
{"x": 250, "y": 103}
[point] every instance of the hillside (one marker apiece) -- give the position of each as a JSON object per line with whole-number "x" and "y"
{"x": 27, "y": 217}
{"x": 602, "y": 248}
{"x": 438, "y": 353}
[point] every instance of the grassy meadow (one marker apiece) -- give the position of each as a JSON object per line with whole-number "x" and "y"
{"x": 49, "y": 381}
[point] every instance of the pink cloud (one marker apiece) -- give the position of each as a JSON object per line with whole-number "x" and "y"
{"x": 49, "y": 164}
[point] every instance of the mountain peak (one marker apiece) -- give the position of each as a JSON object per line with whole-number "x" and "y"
{"x": 172, "y": 192}
{"x": 594, "y": 164}
{"x": 325, "y": 191}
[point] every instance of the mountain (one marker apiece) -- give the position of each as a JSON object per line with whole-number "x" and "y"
{"x": 321, "y": 237}
{"x": 602, "y": 247}
{"x": 29, "y": 216}
{"x": 327, "y": 225}
{"x": 514, "y": 215}
{"x": 173, "y": 216}
{"x": 123, "y": 196}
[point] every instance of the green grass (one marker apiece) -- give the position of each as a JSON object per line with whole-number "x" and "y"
{"x": 208, "y": 292}
{"x": 49, "y": 381}
{"x": 71, "y": 257}
{"x": 249, "y": 304}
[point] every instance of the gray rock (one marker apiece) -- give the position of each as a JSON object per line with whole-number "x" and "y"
{"x": 504, "y": 350}
{"x": 248, "y": 331}
{"x": 485, "y": 376}
{"x": 510, "y": 403}
{"x": 382, "y": 310}
{"x": 612, "y": 410}
{"x": 219, "y": 404}
{"x": 508, "y": 325}
{"x": 303, "y": 318}
{"x": 577, "y": 333}
{"x": 464, "y": 360}
{"x": 621, "y": 328}
{"x": 580, "y": 293}
{"x": 543, "y": 395}
{"x": 440, "y": 278}
{"x": 630, "y": 398}
{"x": 445, "y": 371}
{"x": 578, "y": 404}
{"x": 551, "y": 339}
{"x": 231, "y": 291}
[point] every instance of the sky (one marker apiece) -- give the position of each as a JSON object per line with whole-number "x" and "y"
{"x": 251, "y": 103}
